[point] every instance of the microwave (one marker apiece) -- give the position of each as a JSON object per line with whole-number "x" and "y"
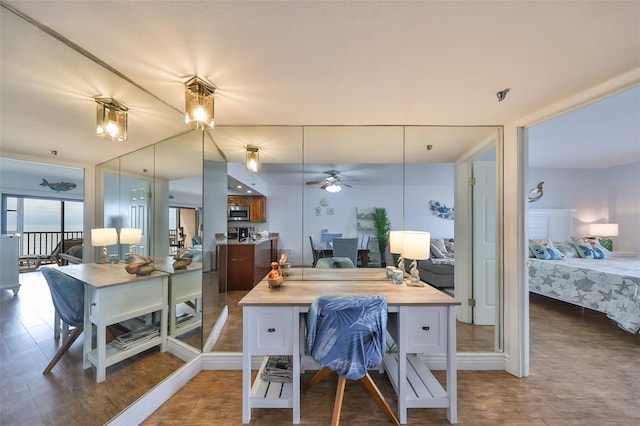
{"x": 238, "y": 213}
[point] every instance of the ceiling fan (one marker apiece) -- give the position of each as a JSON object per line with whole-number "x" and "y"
{"x": 331, "y": 183}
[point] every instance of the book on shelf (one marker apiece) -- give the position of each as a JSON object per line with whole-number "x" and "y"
{"x": 278, "y": 368}
{"x": 136, "y": 337}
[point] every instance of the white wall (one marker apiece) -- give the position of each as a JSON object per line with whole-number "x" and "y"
{"x": 286, "y": 203}
{"x": 598, "y": 196}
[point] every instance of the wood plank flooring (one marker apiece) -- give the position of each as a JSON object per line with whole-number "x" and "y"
{"x": 584, "y": 371}
{"x": 69, "y": 395}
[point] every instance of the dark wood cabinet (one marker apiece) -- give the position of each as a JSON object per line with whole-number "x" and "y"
{"x": 257, "y": 205}
{"x": 248, "y": 264}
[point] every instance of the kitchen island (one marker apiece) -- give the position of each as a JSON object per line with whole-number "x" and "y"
{"x": 247, "y": 262}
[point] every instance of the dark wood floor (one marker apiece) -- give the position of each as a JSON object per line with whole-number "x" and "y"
{"x": 584, "y": 371}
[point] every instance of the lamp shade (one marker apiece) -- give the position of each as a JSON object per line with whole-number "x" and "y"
{"x": 130, "y": 235}
{"x": 395, "y": 242}
{"x": 104, "y": 236}
{"x": 416, "y": 245}
{"x": 603, "y": 229}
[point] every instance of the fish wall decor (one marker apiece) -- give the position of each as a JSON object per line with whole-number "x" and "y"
{"x": 59, "y": 186}
{"x": 441, "y": 210}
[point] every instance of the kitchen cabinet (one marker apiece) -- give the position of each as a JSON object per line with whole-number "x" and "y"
{"x": 249, "y": 263}
{"x": 257, "y": 205}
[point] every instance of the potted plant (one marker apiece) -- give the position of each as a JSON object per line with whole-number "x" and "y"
{"x": 383, "y": 227}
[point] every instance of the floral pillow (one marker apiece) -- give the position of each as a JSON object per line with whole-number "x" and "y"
{"x": 544, "y": 249}
{"x": 450, "y": 246}
{"x": 590, "y": 248}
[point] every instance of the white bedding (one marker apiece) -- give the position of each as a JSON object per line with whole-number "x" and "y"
{"x": 607, "y": 285}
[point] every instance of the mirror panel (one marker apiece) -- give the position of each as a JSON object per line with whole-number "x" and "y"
{"x": 366, "y": 162}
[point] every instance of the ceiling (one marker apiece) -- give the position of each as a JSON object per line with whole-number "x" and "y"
{"x": 309, "y": 63}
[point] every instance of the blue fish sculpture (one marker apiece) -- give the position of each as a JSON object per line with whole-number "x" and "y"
{"x": 59, "y": 186}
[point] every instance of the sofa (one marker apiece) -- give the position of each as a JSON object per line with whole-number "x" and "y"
{"x": 438, "y": 270}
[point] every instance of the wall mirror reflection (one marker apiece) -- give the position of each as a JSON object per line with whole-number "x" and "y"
{"x": 414, "y": 174}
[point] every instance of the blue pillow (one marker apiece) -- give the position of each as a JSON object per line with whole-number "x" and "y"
{"x": 544, "y": 249}
{"x": 590, "y": 248}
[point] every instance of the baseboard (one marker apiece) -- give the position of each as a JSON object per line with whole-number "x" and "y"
{"x": 142, "y": 408}
{"x": 467, "y": 361}
{"x": 181, "y": 350}
{"x": 216, "y": 330}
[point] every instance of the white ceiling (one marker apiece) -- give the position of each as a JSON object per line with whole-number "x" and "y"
{"x": 308, "y": 63}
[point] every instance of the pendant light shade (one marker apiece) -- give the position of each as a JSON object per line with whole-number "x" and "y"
{"x": 253, "y": 158}
{"x": 111, "y": 119}
{"x": 199, "y": 103}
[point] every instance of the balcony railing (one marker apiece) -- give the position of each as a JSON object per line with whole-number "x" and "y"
{"x": 43, "y": 243}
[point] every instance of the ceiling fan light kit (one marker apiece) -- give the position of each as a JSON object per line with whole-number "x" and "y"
{"x": 331, "y": 183}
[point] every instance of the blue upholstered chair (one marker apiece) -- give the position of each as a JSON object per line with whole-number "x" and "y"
{"x": 334, "y": 262}
{"x": 346, "y": 247}
{"x": 347, "y": 334}
{"x": 314, "y": 252}
{"x": 67, "y": 294}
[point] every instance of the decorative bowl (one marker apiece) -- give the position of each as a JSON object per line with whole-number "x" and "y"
{"x": 275, "y": 282}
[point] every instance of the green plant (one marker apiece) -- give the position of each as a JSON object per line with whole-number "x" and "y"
{"x": 383, "y": 227}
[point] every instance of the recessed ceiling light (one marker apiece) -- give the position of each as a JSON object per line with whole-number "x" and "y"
{"x": 239, "y": 186}
{"x": 249, "y": 191}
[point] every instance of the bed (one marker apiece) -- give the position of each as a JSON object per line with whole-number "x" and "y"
{"x": 608, "y": 285}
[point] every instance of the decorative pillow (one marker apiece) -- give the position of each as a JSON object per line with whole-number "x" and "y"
{"x": 590, "y": 248}
{"x": 439, "y": 244}
{"x": 75, "y": 251}
{"x": 567, "y": 248}
{"x": 436, "y": 252}
{"x": 450, "y": 246}
{"x": 544, "y": 249}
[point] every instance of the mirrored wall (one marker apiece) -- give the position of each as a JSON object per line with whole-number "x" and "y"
{"x": 404, "y": 169}
{"x": 163, "y": 190}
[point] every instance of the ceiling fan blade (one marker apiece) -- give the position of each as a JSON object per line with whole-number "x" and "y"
{"x": 345, "y": 184}
{"x": 315, "y": 182}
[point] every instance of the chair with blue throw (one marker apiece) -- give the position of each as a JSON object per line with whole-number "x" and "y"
{"x": 67, "y": 294}
{"x": 347, "y": 334}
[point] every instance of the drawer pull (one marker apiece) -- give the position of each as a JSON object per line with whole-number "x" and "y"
{"x": 426, "y": 328}
{"x": 271, "y": 330}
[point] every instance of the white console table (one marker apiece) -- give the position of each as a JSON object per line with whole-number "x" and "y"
{"x": 421, "y": 320}
{"x": 112, "y": 295}
{"x": 185, "y": 285}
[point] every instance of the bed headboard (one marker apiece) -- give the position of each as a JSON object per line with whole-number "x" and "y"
{"x": 553, "y": 224}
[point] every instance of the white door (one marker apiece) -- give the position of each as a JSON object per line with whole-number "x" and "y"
{"x": 484, "y": 242}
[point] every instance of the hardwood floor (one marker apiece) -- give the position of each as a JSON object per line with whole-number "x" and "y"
{"x": 68, "y": 395}
{"x": 583, "y": 372}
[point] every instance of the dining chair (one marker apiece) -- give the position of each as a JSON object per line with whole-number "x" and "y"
{"x": 315, "y": 252}
{"x": 334, "y": 262}
{"x": 346, "y": 247}
{"x": 364, "y": 245}
{"x": 67, "y": 294}
{"x": 54, "y": 257}
{"x": 347, "y": 334}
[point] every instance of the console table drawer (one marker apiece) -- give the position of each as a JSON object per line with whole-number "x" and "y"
{"x": 271, "y": 330}
{"x": 425, "y": 329}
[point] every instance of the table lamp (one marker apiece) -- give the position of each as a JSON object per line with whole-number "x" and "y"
{"x": 395, "y": 247}
{"x": 104, "y": 237}
{"x": 130, "y": 236}
{"x": 604, "y": 232}
{"x": 416, "y": 245}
